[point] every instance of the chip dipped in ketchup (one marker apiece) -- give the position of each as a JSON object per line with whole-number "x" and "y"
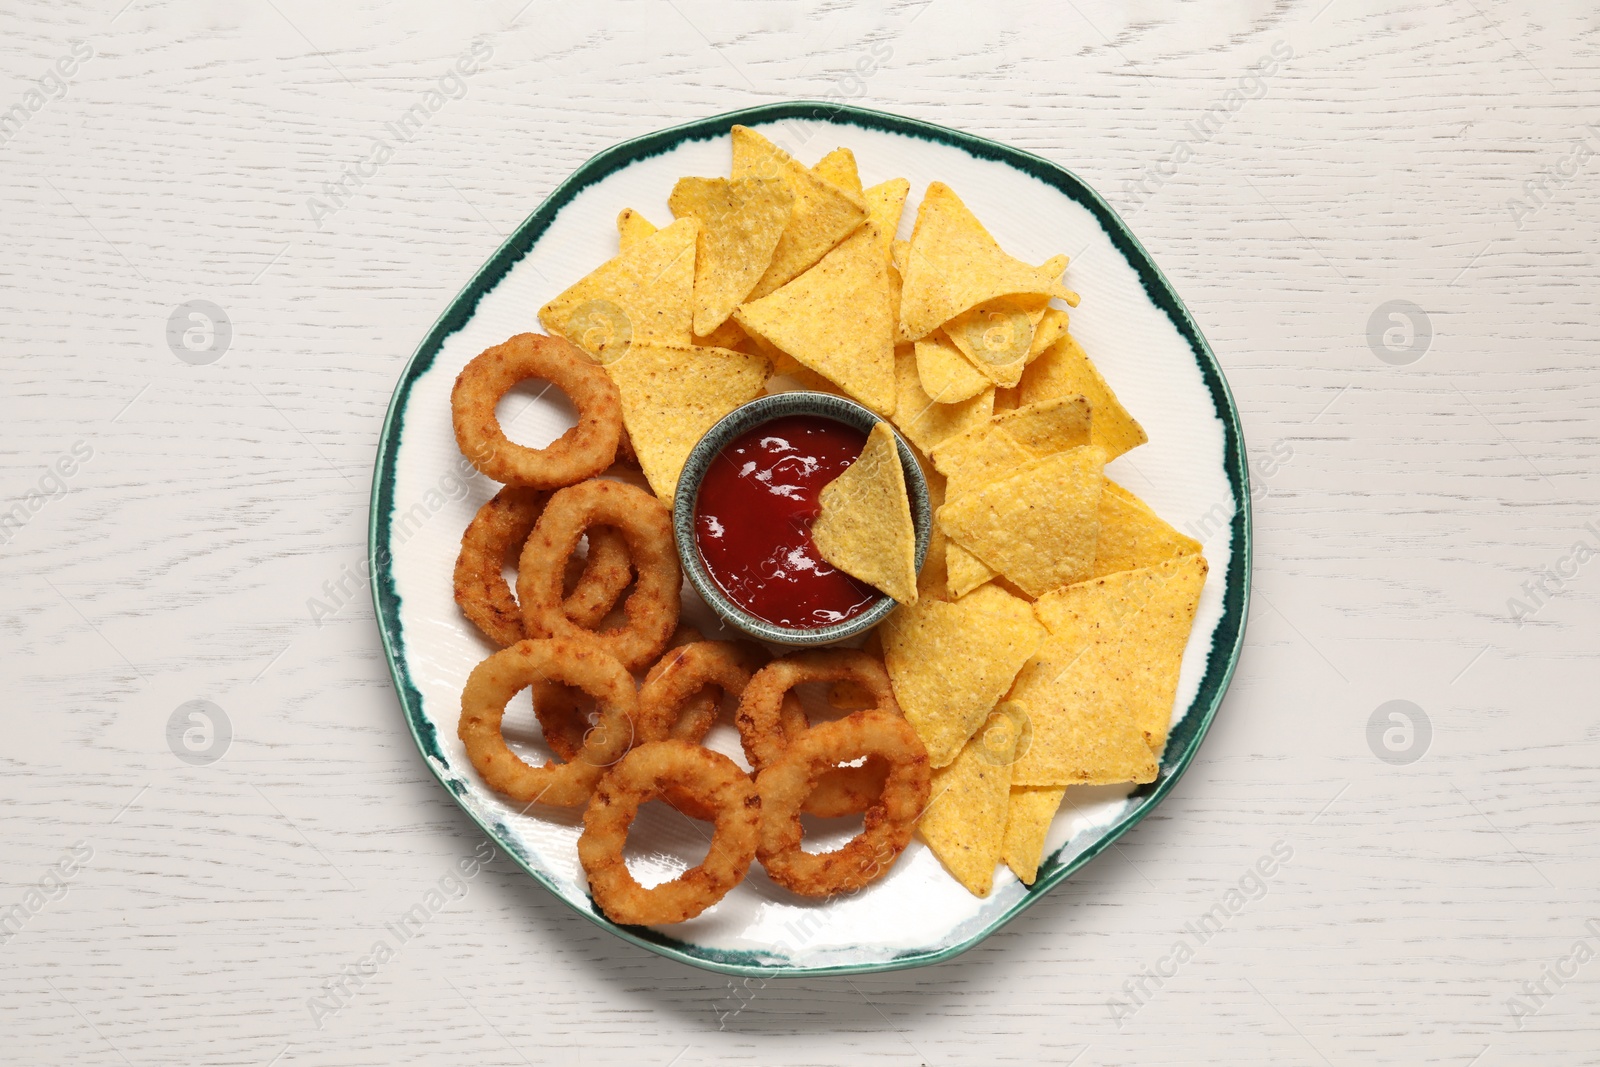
{"x": 753, "y": 520}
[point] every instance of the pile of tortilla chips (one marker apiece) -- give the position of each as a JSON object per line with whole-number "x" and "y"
{"x": 1040, "y": 645}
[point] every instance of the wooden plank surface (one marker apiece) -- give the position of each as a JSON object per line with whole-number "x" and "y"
{"x": 1400, "y": 507}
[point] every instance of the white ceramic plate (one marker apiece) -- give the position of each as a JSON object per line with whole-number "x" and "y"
{"x": 424, "y": 493}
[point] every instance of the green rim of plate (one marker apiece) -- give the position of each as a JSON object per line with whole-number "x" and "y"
{"x": 1227, "y": 641}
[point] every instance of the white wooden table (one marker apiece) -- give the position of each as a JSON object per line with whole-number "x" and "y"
{"x": 162, "y": 910}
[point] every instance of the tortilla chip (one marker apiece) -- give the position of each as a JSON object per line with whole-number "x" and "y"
{"x": 835, "y": 318}
{"x": 632, "y": 227}
{"x": 1133, "y": 536}
{"x": 824, "y": 213}
{"x": 839, "y": 168}
{"x": 865, "y": 527}
{"x": 645, "y": 295}
{"x": 947, "y": 375}
{"x": 728, "y": 335}
{"x": 953, "y": 264}
{"x": 979, "y": 455}
{"x": 1009, "y": 440}
{"x": 965, "y": 572}
{"x": 673, "y": 394}
{"x": 997, "y": 335}
{"x": 1082, "y": 731}
{"x": 1033, "y": 809}
{"x": 740, "y": 222}
{"x": 1065, "y": 369}
{"x": 1038, "y": 525}
{"x": 931, "y": 584}
{"x": 899, "y": 252}
{"x": 1051, "y": 327}
{"x": 895, "y": 285}
{"x": 950, "y": 663}
{"x": 1049, "y": 426}
{"x": 924, "y": 422}
{"x": 1127, "y": 632}
{"x": 965, "y": 821}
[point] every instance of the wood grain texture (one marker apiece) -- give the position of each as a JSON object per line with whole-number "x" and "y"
{"x": 1375, "y": 165}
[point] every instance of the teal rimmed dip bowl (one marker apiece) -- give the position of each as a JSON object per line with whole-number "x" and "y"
{"x": 731, "y": 427}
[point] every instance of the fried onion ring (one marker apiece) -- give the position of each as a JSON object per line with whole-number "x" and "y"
{"x": 570, "y": 661}
{"x": 715, "y": 782}
{"x": 646, "y": 526}
{"x": 582, "y": 452}
{"x": 498, "y": 529}
{"x": 560, "y": 714}
{"x": 769, "y": 720}
{"x": 887, "y": 825}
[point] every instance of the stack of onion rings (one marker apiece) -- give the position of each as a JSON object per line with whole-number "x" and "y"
{"x": 501, "y": 526}
{"x": 582, "y": 452}
{"x": 721, "y": 789}
{"x": 646, "y": 526}
{"x": 643, "y": 740}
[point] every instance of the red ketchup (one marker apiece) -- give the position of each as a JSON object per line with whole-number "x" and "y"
{"x": 753, "y": 522}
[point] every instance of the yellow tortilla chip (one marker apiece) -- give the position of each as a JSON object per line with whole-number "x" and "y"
{"x": 824, "y": 213}
{"x": 1011, "y": 439}
{"x": 839, "y": 168}
{"x": 1038, "y": 525}
{"x": 1051, "y": 327}
{"x": 1133, "y": 536}
{"x": 898, "y": 253}
{"x": 673, "y": 394}
{"x": 931, "y": 582}
{"x": 947, "y": 375}
{"x": 950, "y": 663}
{"x": 965, "y": 572}
{"x": 978, "y": 455}
{"x": 953, "y": 264}
{"x": 1065, "y": 369}
{"x": 965, "y": 821}
{"x": 728, "y": 335}
{"x": 1049, "y": 426}
{"x": 865, "y": 527}
{"x": 835, "y": 318}
{"x": 1033, "y": 809}
{"x": 1127, "y": 632}
{"x": 740, "y": 222}
{"x": 644, "y": 295}
{"x": 632, "y": 227}
{"x": 1082, "y": 732}
{"x": 894, "y": 292}
{"x": 924, "y": 422}
{"x": 997, "y": 335}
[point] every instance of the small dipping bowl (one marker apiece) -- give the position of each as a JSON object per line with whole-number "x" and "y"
{"x": 733, "y": 425}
